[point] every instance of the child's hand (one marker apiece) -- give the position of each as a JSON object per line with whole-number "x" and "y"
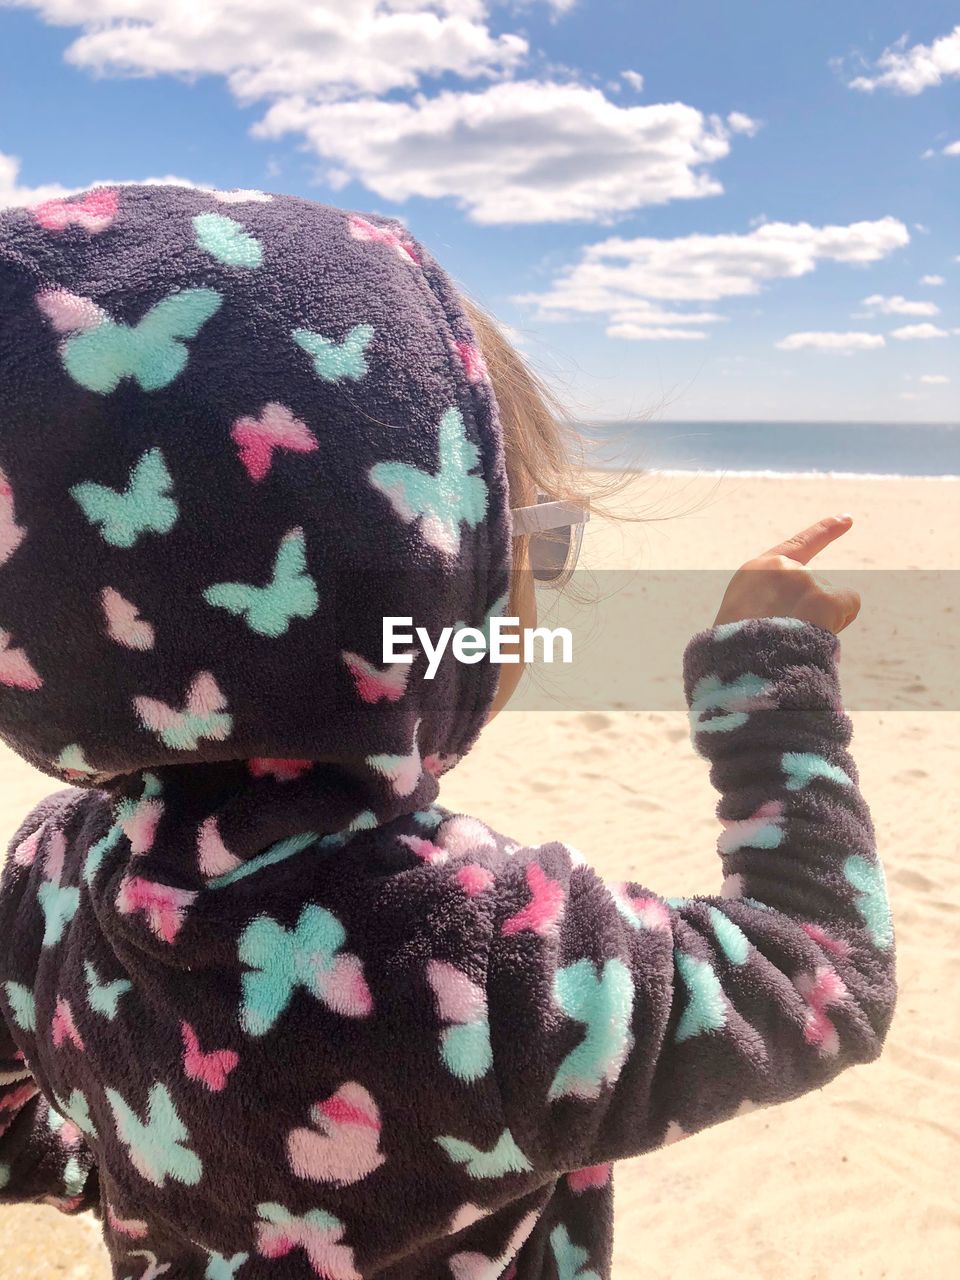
{"x": 776, "y": 584}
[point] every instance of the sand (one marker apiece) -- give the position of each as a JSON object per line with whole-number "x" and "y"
{"x": 860, "y": 1179}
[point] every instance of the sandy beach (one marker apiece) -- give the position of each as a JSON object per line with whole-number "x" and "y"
{"x": 859, "y": 1180}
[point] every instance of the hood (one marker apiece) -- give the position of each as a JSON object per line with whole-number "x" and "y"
{"x": 236, "y": 431}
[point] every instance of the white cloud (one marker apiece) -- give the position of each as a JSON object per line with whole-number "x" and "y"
{"x": 644, "y": 333}
{"x": 952, "y": 148}
{"x": 932, "y": 280}
{"x": 919, "y": 331}
{"x": 740, "y": 123}
{"x": 843, "y": 342}
{"x": 519, "y": 151}
{"x": 935, "y": 379}
{"x": 912, "y": 395}
{"x": 628, "y": 281}
{"x": 634, "y": 79}
{"x": 911, "y": 69}
{"x": 266, "y": 48}
{"x": 14, "y": 193}
{"x": 899, "y": 306}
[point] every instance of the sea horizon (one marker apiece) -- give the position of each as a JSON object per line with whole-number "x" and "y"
{"x": 783, "y": 447}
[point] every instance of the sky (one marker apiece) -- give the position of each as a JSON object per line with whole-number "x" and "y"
{"x": 690, "y": 210}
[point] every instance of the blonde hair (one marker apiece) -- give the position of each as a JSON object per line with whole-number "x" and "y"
{"x": 543, "y": 453}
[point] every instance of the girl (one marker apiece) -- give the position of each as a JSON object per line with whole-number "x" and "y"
{"x": 266, "y": 1008}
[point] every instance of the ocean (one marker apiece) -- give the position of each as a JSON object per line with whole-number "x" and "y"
{"x": 859, "y": 448}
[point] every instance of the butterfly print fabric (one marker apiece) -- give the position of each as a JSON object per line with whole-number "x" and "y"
{"x": 265, "y": 1007}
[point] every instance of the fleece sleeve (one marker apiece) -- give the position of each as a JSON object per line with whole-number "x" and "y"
{"x": 44, "y": 1157}
{"x": 621, "y": 1020}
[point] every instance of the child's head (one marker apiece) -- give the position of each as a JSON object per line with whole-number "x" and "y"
{"x": 542, "y": 457}
{"x": 235, "y": 436}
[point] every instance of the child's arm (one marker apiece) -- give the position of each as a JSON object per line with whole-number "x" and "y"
{"x": 44, "y": 1158}
{"x": 635, "y": 1021}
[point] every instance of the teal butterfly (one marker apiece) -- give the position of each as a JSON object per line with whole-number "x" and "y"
{"x": 59, "y": 904}
{"x": 604, "y": 1004}
{"x": 221, "y": 1268}
{"x": 77, "y": 1109}
{"x": 158, "y": 1146}
{"x": 20, "y": 999}
{"x": 871, "y": 901}
{"x": 706, "y": 1005}
{"x": 734, "y": 943}
{"x": 309, "y": 955}
{"x": 103, "y": 996}
{"x": 503, "y": 1158}
{"x": 802, "y": 767}
{"x": 569, "y": 1257}
{"x": 144, "y": 506}
{"x": 151, "y": 352}
{"x": 337, "y": 361}
{"x": 227, "y": 241}
{"x": 441, "y": 501}
{"x": 74, "y": 1177}
{"x": 98, "y": 851}
{"x": 269, "y": 610}
{"x": 737, "y": 698}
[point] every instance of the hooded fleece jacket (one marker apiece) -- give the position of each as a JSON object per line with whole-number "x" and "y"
{"x": 264, "y": 1006}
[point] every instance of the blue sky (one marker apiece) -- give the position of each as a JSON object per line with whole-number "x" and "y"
{"x": 776, "y": 183}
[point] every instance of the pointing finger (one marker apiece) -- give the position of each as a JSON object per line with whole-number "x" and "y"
{"x": 802, "y": 547}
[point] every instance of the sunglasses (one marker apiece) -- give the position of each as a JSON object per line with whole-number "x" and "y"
{"x": 555, "y": 530}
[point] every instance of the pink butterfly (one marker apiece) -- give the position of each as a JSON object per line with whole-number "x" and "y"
{"x": 318, "y": 1233}
{"x": 589, "y": 1179}
{"x": 212, "y": 1067}
{"x": 93, "y": 212}
{"x": 282, "y": 770}
{"x": 821, "y": 989}
{"x": 837, "y": 946}
{"x": 474, "y": 879}
{"x": 474, "y": 365}
{"x": 215, "y": 859}
{"x": 163, "y": 905}
{"x": 203, "y": 715}
{"x": 11, "y": 533}
{"x": 458, "y": 998}
{"x": 55, "y": 855}
{"x": 373, "y": 684}
{"x": 70, "y": 1134}
{"x": 426, "y": 850}
{"x": 276, "y": 428}
{"x": 460, "y": 835}
{"x": 642, "y": 912}
{"x": 132, "y": 1227}
{"x": 124, "y": 624}
{"x": 761, "y": 830}
{"x": 542, "y": 913}
{"x": 63, "y": 1026}
{"x": 438, "y": 763}
{"x": 402, "y": 772}
{"x": 16, "y": 670}
{"x": 477, "y": 1266}
{"x": 343, "y": 1147}
{"x": 68, "y": 312}
{"x": 26, "y": 851}
{"x": 361, "y": 229}
{"x": 13, "y": 1101}
{"x": 153, "y": 1268}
